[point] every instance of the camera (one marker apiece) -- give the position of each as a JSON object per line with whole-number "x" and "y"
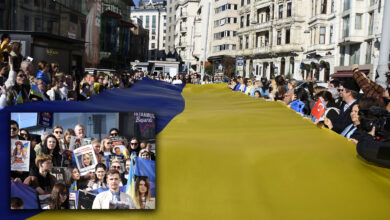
{"x": 375, "y": 117}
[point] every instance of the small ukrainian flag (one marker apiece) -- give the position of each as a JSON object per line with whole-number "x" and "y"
{"x": 19, "y": 99}
{"x": 35, "y": 91}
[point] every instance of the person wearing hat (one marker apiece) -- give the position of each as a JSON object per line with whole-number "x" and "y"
{"x": 349, "y": 92}
{"x": 370, "y": 88}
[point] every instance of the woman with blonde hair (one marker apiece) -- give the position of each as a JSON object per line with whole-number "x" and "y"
{"x": 106, "y": 147}
{"x": 142, "y": 197}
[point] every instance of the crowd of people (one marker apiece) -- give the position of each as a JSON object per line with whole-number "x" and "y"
{"x": 356, "y": 108}
{"x": 54, "y": 150}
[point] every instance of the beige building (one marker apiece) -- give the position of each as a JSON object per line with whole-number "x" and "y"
{"x": 186, "y": 12}
{"x": 359, "y": 36}
{"x": 223, "y": 26}
{"x": 153, "y": 16}
{"x": 323, "y": 32}
{"x": 171, "y": 26}
{"x": 271, "y": 37}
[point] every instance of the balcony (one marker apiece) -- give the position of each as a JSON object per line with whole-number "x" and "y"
{"x": 262, "y": 50}
{"x": 262, "y": 26}
{"x": 245, "y": 29}
{"x": 263, "y": 3}
{"x": 183, "y": 15}
{"x": 287, "y": 48}
{"x": 181, "y": 44}
{"x": 183, "y": 29}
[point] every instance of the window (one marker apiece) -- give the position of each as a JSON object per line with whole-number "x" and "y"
{"x": 331, "y": 6}
{"x": 242, "y": 2}
{"x": 154, "y": 21}
{"x": 50, "y": 26}
{"x": 147, "y": 22}
{"x": 324, "y": 4}
{"x": 242, "y": 22}
{"x": 354, "y": 54}
{"x": 234, "y": 33}
{"x": 347, "y": 5}
{"x": 322, "y": 35}
{"x": 372, "y": 2}
{"x": 247, "y": 20}
{"x": 331, "y": 34}
{"x": 241, "y": 43}
{"x": 153, "y": 45}
{"x": 279, "y": 36}
{"x": 153, "y": 37}
{"x": 247, "y": 42}
{"x": 342, "y": 55}
{"x": 358, "y": 22}
{"x": 287, "y": 36}
{"x": 346, "y": 26}
{"x": 371, "y": 23}
{"x": 235, "y": 20}
{"x": 289, "y": 4}
{"x": 234, "y": 47}
{"x": 280, "y": 11}
{"x": 37, "y": 24}
{"x": 235, "y": 6}
{"x": 368, "y": 52}
{"x": 248, "y": 2}
{"x": 26, "y": 23}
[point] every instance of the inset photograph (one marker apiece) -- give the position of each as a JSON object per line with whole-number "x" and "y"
{"x": 65, "y": 160}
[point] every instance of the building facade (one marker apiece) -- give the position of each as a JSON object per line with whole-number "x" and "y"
{"x": 186, "y": 12}
{"x": 359, "y": 36}
{"x": 115, "y": 25}
{"x": 271, "y": 37}
{"x": 171, "y": 26}
{"x": 139, "y": 42}
{"x": 223, "y": 42}
{"x": 53, "y": 31}
{"x": 153, "y": 15}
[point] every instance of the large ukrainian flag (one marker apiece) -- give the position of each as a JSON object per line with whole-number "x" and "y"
{"x": 228, "y": 156}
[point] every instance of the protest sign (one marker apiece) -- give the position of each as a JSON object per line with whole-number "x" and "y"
{"x": 76, "y": 142}
{"x": 85, "y": 200}
{"x": 72, "y": 199}
{"x": 20, "y": 155}
{"x": 59, "y": 174}
{"x": 119, "y": 150}
{"x": 85, "y": 159}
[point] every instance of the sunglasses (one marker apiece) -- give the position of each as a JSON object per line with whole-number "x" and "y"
{"x": 63, "y": 194}
{"x": 133, "y": 143}
{"x": 58, "y": 132}
{"x": 116, "y": 167}
{"x": 14, "y": 129}
{"x": 23, "y": 134}
{"x": 21, "y": 75}
{"x": 340, "y": 90}
{"x": 109, "y": 142}
{"x": 114, "y": 134}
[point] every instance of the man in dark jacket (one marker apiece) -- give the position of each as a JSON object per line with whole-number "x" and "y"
{"x": 349, "y": 92}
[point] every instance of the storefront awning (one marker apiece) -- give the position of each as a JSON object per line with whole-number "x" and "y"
{"x": 346, "y": 74}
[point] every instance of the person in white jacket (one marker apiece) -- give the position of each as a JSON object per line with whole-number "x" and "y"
{"x": 113, "y": 198}
{"x": 55, "y": 93}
